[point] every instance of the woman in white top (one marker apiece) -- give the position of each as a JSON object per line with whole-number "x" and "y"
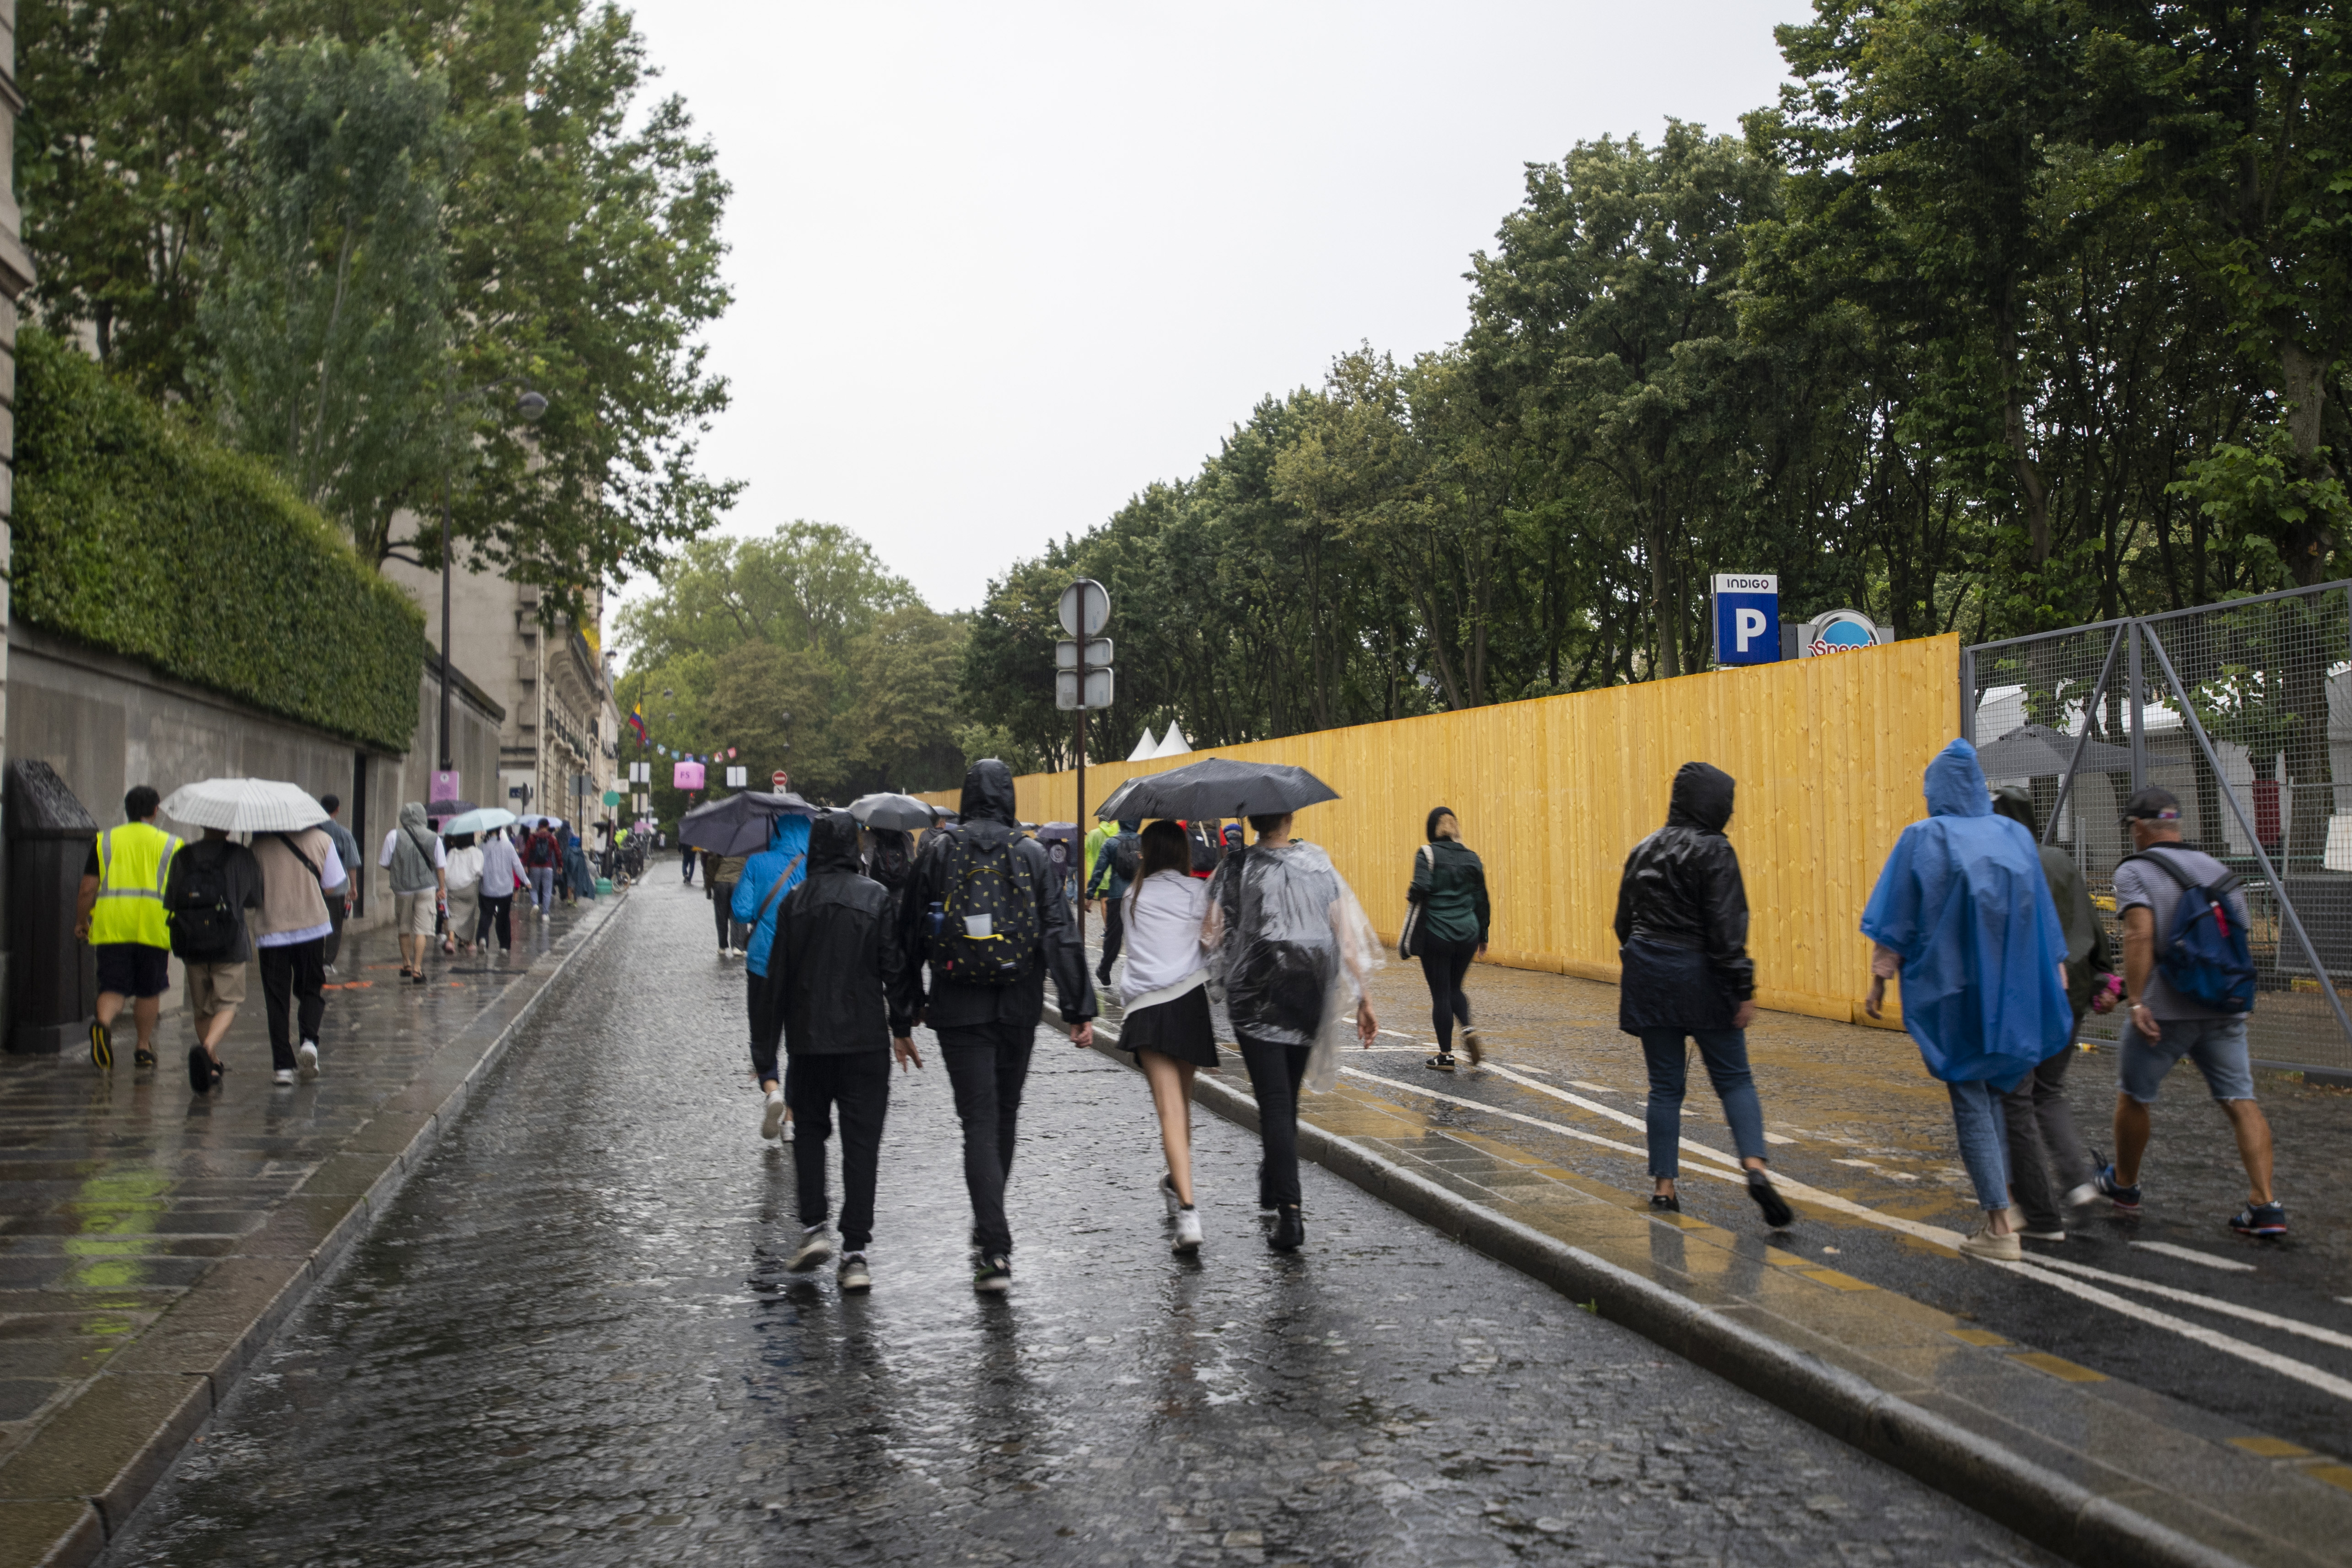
{"x": 465, "y": 893}
{"x": 1165, "y": 996}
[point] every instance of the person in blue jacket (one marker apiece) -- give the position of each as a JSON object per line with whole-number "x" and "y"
{"x": 1963, "y": 913}
{"x": 759, "y": 894}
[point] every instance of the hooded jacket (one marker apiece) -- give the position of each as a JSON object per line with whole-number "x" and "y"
{"x": 835, "y": 965}
{"x": 987, "y": 819}
{"x": 788, "y": 842}
{"x": 1963, "y": 903}
{"x": 1682, "y": 914}
{"x": 1450, "y": 880}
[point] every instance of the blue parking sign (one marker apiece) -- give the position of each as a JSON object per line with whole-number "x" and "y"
{"x": 1746, "y": 618}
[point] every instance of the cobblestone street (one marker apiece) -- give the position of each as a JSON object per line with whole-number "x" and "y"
{"x": 572, "y": 1340}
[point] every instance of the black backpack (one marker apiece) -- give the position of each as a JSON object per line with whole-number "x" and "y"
{"x": 991, "y": 887}
{"x": 1126, "y": 856}
{"x": 205, "y": 924}
{"x": 894, "y": 858}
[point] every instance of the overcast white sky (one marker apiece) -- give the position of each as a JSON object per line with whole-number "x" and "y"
{"x": 997, "y": 267}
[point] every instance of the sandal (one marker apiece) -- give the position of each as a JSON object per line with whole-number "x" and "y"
{"x": 101, "y": 1045}
{"x": 142, "y": 1059}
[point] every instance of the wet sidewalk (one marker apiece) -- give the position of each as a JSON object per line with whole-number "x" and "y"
{"x": 2197, "y": 1378}
{"x": 152, "y": 1240}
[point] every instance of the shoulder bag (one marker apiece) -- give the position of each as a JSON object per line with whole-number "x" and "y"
{"x": 1409, "y": 939}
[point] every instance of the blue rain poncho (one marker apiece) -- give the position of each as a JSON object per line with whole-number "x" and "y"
{"x": 1964, "y": 903}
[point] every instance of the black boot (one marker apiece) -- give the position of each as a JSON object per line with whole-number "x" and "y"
{"x": 1290, "y": 1231}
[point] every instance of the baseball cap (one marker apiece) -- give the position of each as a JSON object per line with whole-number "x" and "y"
{"x": 2152, "y": 805}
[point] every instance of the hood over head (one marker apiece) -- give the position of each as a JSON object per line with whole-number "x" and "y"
{"x": 1429, "y": 828}
{"x": 834, "y": 844}
{"x": 1702, "y": 798}
{"x": 1956, "y": 784}
{"x": 412, "y": 816}
{"x": 988, "y": 793}
{"x": 1129, "y": 824}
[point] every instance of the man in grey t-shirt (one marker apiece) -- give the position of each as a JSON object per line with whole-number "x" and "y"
{"x": 2163, "y": 1026}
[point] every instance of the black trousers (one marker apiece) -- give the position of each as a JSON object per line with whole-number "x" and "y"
{"x": 1114, "y": 934}
{"x": 767, "y": 1031}
{"x": 988, "y": 1064}
{"x": 335, "y": 939}
{"x": 856, "y": 1084}
{"x": 496, "y": 914}
{"x": 1275, "y": 1073}
{"x": 1442, "y": 965}
{"x": 293, "y": 975}
{"x": 723, "y": 909}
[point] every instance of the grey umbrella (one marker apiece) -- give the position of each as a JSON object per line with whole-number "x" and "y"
{"x": 2038, "y": 751}
{"x": 892, "y": 811}
{"x": 739, "y": 824}
{"x": 1217, "y": 788}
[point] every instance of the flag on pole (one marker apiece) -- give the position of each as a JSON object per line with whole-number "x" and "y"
{"x": 637, "y": 718}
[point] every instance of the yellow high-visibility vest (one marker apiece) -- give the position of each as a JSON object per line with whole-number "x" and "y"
{"x": 133, "y": 861}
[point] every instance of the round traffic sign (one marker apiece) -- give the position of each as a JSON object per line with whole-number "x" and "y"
{"x": 1096, "y": 600}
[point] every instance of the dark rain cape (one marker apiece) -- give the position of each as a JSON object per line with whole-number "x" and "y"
{"x": 1963, "y": 900}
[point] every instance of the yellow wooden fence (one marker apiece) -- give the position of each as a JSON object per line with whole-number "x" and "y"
{"x": 1552, "y": 793}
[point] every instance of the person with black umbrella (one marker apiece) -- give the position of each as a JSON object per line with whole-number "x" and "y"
{"x": 981, "y": 915}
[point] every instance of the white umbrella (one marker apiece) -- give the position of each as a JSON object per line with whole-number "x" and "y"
{"x": 481, "y": 820}
{"x": 245, "y": 805}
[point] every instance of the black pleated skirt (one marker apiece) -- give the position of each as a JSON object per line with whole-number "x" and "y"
{"x": 1182, "y": 1028}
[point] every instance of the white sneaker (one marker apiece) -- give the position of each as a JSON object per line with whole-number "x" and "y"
{"x": 771, "y": 1117}
{"x": 815, "y": 1247}
{"x": 1982, "y": 1243}
{"x": 305, "y": 1060}
{"x": 1188, "y": 1231}
{"x": 283, "y": 1078}
{"x": 787, "y": 1133}
{"x": 2081, "y": 1195}
{"x": 1168, "y": 1196}
{"x": 855, "y": 1275}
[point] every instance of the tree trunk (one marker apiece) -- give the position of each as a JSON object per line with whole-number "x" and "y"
{"x": 2309, "y": 545}
{"x": 1662, "y": 611}
{"x": 2030, "y": 487}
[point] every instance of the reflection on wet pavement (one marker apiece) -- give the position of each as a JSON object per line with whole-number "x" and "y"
{"x": 573, "y": 1341}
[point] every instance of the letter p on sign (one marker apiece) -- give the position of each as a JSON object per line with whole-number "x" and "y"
{"x": 1746, "y": 618}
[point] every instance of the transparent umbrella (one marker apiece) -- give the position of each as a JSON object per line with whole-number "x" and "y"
{"x": 245, "y": 805}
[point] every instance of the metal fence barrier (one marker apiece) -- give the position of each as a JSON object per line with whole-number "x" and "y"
{"x": 2243, "y": 710}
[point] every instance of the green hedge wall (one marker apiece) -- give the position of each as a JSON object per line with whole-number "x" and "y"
{"x": 138, "y": 536}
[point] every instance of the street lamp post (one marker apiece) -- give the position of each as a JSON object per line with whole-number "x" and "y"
{"x": 530, "y": 406}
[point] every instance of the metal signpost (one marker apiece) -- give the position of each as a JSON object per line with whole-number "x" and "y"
{"x": 1082, "y": 683}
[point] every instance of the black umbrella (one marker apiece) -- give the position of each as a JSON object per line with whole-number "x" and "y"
{"x": 740, "y": 825}
{"x": 1216, "y": 787}
{"x": 437, "y": 810}
{"x": 891, "y": 811}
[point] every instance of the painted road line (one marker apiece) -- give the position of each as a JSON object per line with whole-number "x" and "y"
{"x": 1936, "y": 1234}
{"x": 2190, "y": 1255}
{"x": 2286, "y": 1367}
{"x": 1596, "y": 1088}
{"x": 1691, "y": 1146}
{"x": 2191, "y": 1298}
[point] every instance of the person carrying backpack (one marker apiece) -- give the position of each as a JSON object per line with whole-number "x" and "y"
{"x": 981, "y": 915}
{"x": 1963, "y": 913}
{"x": 300, "y": 872}
{"x": 2189, "y": 979}
{"x": 1115, "y": 869}
{"x": 212, "y": 884}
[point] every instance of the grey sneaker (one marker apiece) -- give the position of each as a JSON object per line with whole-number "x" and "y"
{"x": 1982, "y": 1243}
{"x": 771, "y": 1113}
{"x": 994, "y": 1275}
{"x": 854, "y": 1275}
{"x": 1188, "y": 1231}
{"x": 816, "y": 1245}
{"x": 305, "y": 1060}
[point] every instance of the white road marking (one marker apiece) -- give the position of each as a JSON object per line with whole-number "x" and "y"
{"x": 1779, "y": 1138}
{"x": 2190, "y": 1255}
{"x": 2191, "y": 1298}
{"x": 2286, "y": 1367}
{"x": 1596, "y": 1088}
{"x": 1614, "y": 1114}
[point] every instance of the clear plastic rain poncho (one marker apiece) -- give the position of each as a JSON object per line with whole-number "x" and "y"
{"x": 1292, "y": 950}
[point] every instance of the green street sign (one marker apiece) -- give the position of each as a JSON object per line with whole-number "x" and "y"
{"x": 611, "y": 797}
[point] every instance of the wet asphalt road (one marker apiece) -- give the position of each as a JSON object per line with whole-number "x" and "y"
{"x": 1858, "y": 1117}
{"x": 572, "y": 1341}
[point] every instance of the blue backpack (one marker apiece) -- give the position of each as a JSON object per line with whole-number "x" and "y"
{"x": 2205, "y": 959}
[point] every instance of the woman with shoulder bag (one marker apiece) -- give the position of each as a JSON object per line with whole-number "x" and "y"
{"x": 464, "y": 868}
{"x": 1445, "y": 928}
{"x": 1165, "y": 994}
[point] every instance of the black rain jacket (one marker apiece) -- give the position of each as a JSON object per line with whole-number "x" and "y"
{"x": 1682, "y": 915}
{"x": 987, "y": 815}
{"x": 833, "y": 968}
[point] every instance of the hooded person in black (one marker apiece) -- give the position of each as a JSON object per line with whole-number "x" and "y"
{"x": 1682, "y": 930}
{"x": 981, "y": 919}
{"x": 833, "y": 975}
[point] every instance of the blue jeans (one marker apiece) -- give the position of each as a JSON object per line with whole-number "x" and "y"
{"x": 1725, "y": 1051}
{"x": 1984, "y": 1141}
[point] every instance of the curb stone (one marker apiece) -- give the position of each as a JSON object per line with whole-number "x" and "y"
{"x": 2046, "y": 1509}
{"x": 77, "y": 1528}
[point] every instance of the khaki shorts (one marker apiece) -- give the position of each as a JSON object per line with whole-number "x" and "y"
{"x": 413, "y": 913}
{"x": 214, "y": 988}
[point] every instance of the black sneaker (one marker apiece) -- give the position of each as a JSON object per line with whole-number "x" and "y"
{"x": 1777, "y": 1212}
{"x": 1440, "y": 1063}
{"x": 2260, "y": 1219}
{"x": 101, "y": 1044}
{"x": 1665, "y": 1203}
{"x": 1290, "y": 1232}
{"x": 994, "y": 1275}
{"x": 199, "y": 1070}
{"x": 2125, "y": 1199}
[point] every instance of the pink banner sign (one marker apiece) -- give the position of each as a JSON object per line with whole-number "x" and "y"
{"x": 685, "y": 775}
{"x": 445, "y": 784}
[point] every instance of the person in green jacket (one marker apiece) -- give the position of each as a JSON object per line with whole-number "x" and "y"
{"x": 1449, "y": 884}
